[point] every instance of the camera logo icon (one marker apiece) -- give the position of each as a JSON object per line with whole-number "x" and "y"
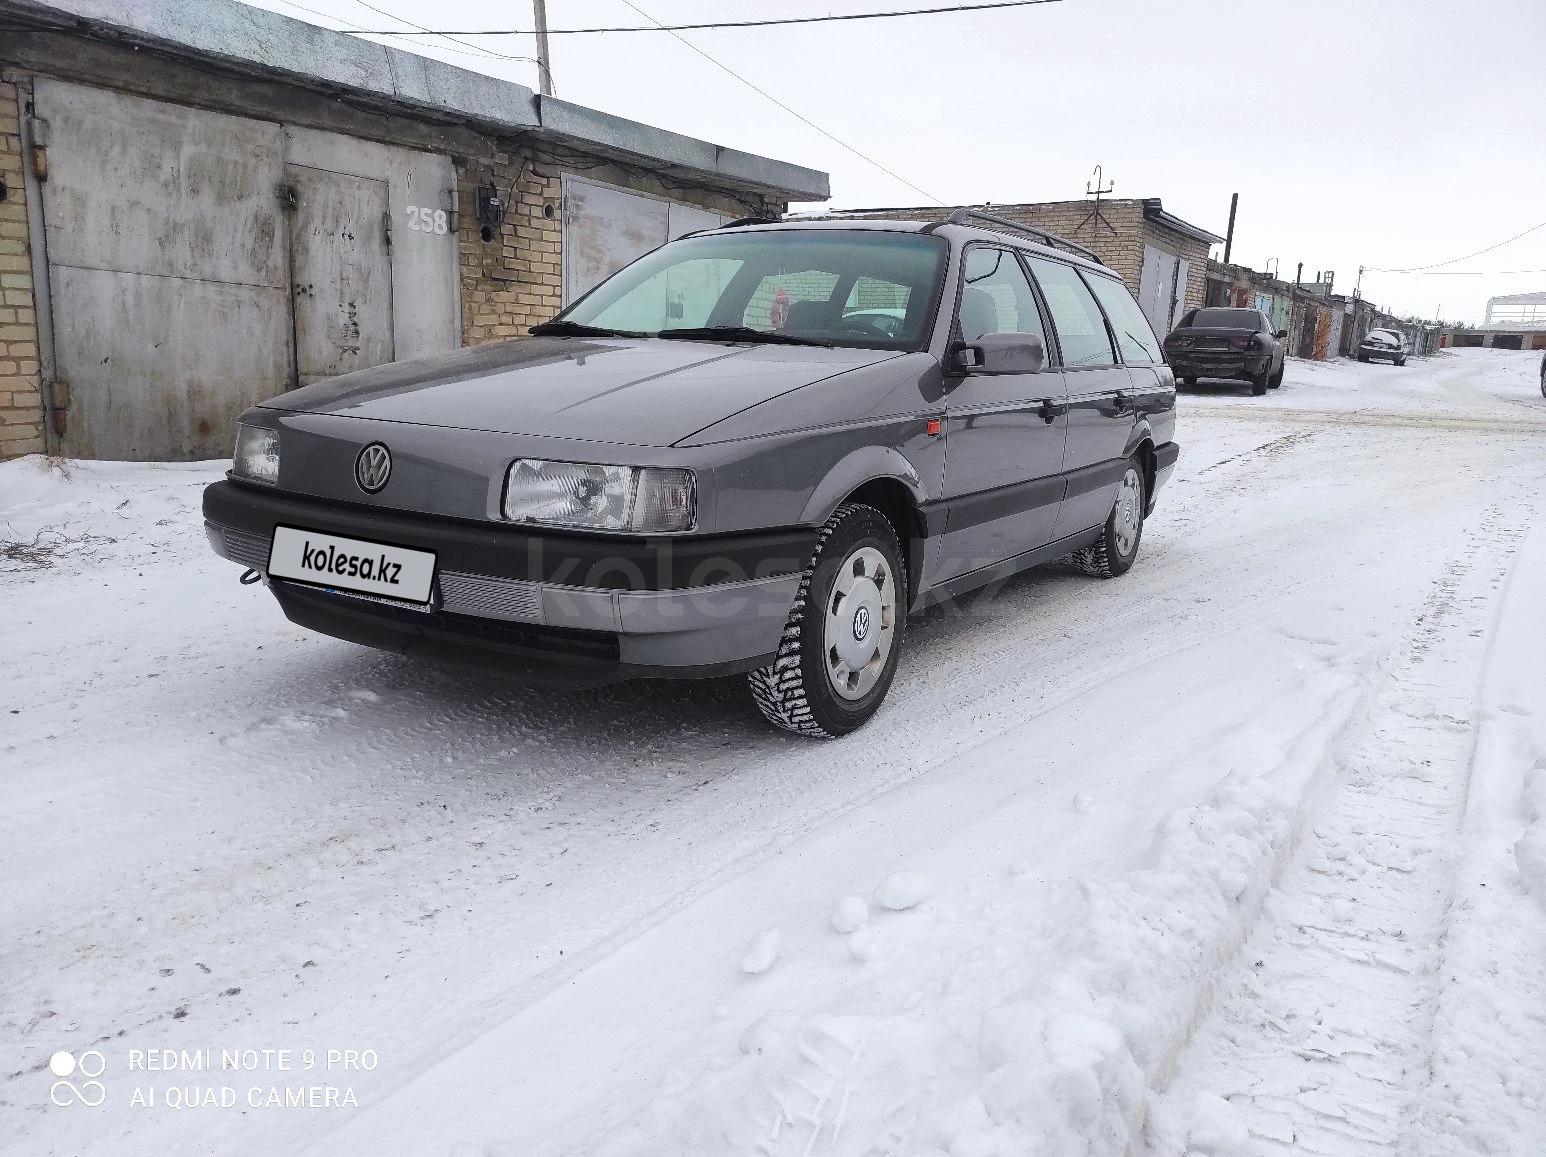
{"x": 89, "y": 1091}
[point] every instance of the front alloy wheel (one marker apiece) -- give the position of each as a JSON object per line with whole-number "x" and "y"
{"x": 838, "y": 653}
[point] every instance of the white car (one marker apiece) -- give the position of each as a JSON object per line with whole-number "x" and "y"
{"x": 1383, "y": 345}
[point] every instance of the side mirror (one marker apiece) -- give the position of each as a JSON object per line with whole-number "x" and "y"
{"x": 1281, "y": 334}
{"x": 999, "y": 353}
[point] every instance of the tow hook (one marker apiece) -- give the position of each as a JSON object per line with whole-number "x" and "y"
{"x": 250, "y": 576}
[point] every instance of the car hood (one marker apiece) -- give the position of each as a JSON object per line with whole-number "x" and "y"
{"x": 643, "y": 392}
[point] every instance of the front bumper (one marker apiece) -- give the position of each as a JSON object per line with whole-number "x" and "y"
{"x": 692, "y": 606}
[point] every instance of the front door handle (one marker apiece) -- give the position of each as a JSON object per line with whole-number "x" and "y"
{"x": 1051, "y": 411}
{"x": 1124, "y": 401}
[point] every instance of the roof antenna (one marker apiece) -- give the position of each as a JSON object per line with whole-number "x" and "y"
{"x": 1095, "y": 189}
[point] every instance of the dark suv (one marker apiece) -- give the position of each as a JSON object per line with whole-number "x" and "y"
{"x": 756, "y": 449}
{"x": 1218, "y": 342}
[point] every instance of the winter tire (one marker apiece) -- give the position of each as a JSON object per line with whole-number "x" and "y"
{"x": 839, "y": 650}
{"x": 1113, "y": 553}
{"x": 1259, "y": 384}
{"x": 1190, "y": 382}
{"x": 1276, "y": 379}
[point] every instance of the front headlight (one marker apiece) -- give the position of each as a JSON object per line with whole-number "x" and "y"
{"x": 257, "y": 454}
{"x": 581, "y": 496}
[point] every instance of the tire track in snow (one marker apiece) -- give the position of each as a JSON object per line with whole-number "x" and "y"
{"x": 1319, "y": 1036}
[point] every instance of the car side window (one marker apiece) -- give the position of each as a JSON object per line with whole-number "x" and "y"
{"x": 996, "y": 297}
{"x": 1135, "y": 336}
{"x": 1080, "y": 326}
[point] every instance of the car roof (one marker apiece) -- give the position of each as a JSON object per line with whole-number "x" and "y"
{"x": 959, "y": 233}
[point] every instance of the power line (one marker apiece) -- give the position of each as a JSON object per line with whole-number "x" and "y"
{"x": 474, "y": 51}
{"x": 769, "y": 96}
{"x": 1467, "y": 257}
{"x": 658, "y": 27}
{"x": 490, "y": 53}
{"x": 1465, "y": 272}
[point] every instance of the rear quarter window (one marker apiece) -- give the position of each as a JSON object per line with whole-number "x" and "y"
{"x": 1135, "y": 337}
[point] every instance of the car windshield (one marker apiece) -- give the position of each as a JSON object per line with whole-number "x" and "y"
{"x": 867, "y": 288}
{"x": 1227, "y": 319}
{"x": 1383, "y": 335}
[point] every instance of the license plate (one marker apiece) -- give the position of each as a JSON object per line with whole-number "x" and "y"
{"x": 351, "y": 564}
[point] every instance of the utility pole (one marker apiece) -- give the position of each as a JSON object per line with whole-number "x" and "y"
{"x": 1358, "y": 284}
{"x": 539, "y": 12}
{"x": 1229, "y": 235}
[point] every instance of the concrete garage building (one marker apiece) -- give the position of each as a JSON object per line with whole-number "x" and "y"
{"x": 206, "y": 204}
{"x": 1162, "y": 258}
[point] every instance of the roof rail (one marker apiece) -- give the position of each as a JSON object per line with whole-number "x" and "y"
{"x": 965, "y": 215}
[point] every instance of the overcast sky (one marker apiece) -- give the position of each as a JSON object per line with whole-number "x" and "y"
{"x": 1384, "y": 133}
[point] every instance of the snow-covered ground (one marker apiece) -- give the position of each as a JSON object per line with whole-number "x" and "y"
{"x": 1244, "y": 852}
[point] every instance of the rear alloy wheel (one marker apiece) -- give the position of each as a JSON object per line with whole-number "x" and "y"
{"x": 839, "y": 650}
{"x": 1113, "y": 553}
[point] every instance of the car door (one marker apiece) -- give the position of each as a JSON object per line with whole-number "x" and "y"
{"x": 1004, "y": 432}
{"x": 1100, "y": 396}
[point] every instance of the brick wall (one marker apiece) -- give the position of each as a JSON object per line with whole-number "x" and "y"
{"x": 21, "y": 384}
{"x": 516, "y": 280}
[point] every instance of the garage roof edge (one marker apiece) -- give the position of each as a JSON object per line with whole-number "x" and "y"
{"x": 244, "y": 37}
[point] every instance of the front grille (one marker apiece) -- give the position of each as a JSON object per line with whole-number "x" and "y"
{"x": 494, "y": 598}
{"x": 251, "y": 550}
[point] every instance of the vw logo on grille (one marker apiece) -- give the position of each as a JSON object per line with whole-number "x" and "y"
{"x": 373, "y": 467}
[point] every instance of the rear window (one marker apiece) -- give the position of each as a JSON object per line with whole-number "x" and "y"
{"x": 1227, "y": 319}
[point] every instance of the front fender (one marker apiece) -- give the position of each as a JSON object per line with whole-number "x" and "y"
{"x": 853, "y": 470}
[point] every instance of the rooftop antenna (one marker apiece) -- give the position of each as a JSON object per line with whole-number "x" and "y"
{"x": 1094, "y": 188}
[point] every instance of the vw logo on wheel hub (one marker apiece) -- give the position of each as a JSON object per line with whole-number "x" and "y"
{"x": 373, "y": 467}
{"x": 861, "y": 623}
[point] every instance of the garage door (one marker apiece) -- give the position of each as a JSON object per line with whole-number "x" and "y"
{"x": 200, "y": 263}
{"x": 167, "y": 271}
{"x": 1162, "y": 288}
{"x": 342, "y": 292}
{"x": 606, "y": 227}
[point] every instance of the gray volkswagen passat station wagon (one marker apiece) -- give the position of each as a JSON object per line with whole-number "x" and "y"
{"x": 756, "y": 449}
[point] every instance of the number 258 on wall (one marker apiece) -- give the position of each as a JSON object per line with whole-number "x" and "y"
{"x": 423, "y": 219}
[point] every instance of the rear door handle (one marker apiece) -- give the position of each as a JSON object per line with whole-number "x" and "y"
{"x": 1051, "y": 411}
{"x": 1124, "y": 401}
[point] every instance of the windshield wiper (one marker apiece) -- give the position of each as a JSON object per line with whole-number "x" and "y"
{"x": 575, "y": 329}
{"x": 740, "y": 333}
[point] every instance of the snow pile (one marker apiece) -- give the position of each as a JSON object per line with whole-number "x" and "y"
{"x": 1050, "y": 1048}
